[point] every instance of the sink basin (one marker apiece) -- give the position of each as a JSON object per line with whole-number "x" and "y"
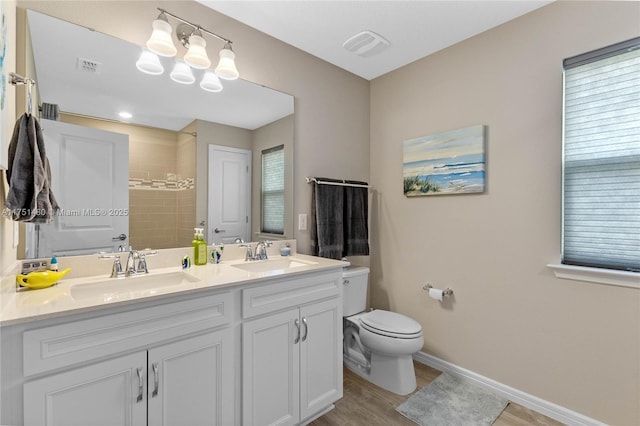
{"x": 273, "y": 265}
{"x": 126, "y": 287}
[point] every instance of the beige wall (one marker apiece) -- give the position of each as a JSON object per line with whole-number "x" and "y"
{"x": 572, "y": 343}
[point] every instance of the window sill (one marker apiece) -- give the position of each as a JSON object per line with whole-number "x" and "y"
{"x": 597, "y": 275}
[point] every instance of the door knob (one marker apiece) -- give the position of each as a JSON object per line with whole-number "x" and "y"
{"x": 120, "y": 237}
{"x": 217, "y": 231}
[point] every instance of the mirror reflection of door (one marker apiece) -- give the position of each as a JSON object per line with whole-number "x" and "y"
{"x": 92, "y": 188}
{"x": 229, "y": 194}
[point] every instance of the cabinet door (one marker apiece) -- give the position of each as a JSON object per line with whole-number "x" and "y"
{"x": 106, "y": 393}
{"x": 320, "y": 356}
{"x": 191, "y": 382}
{"x": 271, "y": 370}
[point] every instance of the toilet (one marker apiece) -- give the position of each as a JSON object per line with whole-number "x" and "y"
{"x": 377, "y": 345}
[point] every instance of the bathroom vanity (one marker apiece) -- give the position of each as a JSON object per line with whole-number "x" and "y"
{"x": 220, "y": 344}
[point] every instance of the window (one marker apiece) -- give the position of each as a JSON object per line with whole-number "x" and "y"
{"x": 601, "y": 158}
{"x": 273, "y": 190}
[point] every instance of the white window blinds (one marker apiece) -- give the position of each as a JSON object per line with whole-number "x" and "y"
{"x": 273, "y": 190}
{"x": 601, "y": 164}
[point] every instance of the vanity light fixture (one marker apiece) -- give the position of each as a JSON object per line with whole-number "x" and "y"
{"x": 190, "y": 36}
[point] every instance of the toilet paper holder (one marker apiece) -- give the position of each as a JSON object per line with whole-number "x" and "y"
{"x": 446, "y": 292}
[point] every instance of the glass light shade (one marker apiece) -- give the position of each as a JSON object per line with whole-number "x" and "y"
{"x": 149, "y": 63}
{"x": 210, "y": 82}
{"x": 160, "y": 41}
{"x": 196, "y": 56}
{"x": 227, "y": 66}
{"x": 182, "y": 73}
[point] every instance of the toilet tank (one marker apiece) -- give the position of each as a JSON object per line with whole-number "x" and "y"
{"x": 355, "y": 281}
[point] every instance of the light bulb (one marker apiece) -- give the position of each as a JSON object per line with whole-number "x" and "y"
{"x": 160, "y": 41}
{"x": 149, "y": 63}
{"x": 182, "y": 73}
{"x": 227, "y": 67}
{"x": 196, "y": 56}
{"x": 210, "y": 82}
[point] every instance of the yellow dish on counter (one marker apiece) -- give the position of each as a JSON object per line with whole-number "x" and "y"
{"x": 41, "y": 279}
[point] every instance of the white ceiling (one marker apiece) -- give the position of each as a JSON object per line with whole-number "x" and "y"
{"x": 414, "y": 29}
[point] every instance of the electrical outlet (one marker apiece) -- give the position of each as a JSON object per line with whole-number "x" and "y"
{"x": 302, "y": 222}
{"x": 34, "y": 265}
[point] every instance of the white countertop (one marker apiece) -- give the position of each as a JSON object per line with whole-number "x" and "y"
{"x": 62, "y": 298}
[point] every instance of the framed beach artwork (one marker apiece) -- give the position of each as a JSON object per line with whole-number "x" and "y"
{"x": 451, "y": 162}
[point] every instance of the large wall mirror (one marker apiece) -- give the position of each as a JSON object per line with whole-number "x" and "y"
{"x": 85, "y": 79}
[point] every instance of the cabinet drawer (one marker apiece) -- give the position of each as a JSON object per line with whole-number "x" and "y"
{"x": 66, "y": 344}
{"x": 293, "y": 292}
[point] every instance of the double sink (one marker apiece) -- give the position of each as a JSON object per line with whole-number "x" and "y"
{"x": 112, "y": 289}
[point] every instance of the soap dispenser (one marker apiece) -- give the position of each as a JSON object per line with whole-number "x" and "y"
{"x": 199, "y": 247}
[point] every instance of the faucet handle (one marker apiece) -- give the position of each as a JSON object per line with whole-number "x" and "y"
{"x": 142, "y": 263}
{"x": 249, "y": 255}
{"x": 116, "y": 269}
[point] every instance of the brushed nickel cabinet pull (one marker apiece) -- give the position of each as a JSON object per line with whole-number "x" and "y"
{"x": 140, "y": 385}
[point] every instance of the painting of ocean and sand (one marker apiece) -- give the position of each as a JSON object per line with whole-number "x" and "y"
{"x": 451, "y": 162}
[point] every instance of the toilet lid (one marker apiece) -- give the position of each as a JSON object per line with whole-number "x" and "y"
{"x": 390, "y": 323}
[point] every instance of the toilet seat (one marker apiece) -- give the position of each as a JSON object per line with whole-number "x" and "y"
{"x": 391, "y": 324}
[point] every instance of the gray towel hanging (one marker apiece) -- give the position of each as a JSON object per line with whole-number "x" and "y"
{"x": 29, "y": 176}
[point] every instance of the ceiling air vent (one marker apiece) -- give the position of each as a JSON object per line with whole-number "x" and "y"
{"x": 88, "y": 66}
{"x": 366, "y": 43}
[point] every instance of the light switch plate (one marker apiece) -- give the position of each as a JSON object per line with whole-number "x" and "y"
{"x": 302, "y": 222}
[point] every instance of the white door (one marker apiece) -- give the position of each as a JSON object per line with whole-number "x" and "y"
{"x": 271, "y": 370}
{"x": 320, "y": 356}
{"x": 106, "y": 393}
{"x": 229, "y": 194}
{"x": 191, "y": 382}
{"x": 90, "y": 180}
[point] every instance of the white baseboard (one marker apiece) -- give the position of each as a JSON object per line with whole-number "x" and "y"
{"x": 534, "y": 403}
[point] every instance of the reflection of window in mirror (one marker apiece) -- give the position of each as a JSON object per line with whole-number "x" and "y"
{"x": 273, "y": 190}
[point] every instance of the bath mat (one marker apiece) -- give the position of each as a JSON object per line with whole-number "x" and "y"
{"x": 449, "y": 401}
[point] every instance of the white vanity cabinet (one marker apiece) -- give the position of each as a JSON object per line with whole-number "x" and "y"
{"x": 163, "y": 378}
{"x": 176, "y": 384}
{"x": 100, "y": 394}
{"x": 292, "y": 350}
{"x": 262, "y": 350}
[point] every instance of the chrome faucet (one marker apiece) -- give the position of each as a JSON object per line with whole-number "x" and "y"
{"x": 132, "y": 267}
{"x": 261, "y": 250}
{"x": 259, "y": 253}
{"x": 131, "y": 262}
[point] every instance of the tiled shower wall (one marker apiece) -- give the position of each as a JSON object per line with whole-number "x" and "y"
{"x": 186, "y": 198}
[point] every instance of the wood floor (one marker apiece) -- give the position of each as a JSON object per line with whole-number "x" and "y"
{"x": 365, "y": 404}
